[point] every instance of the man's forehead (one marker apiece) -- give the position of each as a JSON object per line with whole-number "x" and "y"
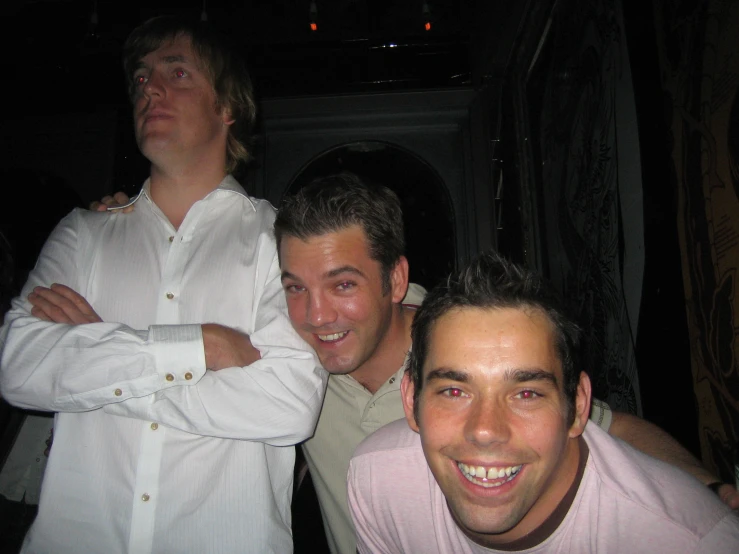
{"x": 497, "y": 317}
{"x": 345, "y": 239}
{"x": 323, "y": 256}
{"x": 172, "y": 50}
{"x": 523, "y": 336}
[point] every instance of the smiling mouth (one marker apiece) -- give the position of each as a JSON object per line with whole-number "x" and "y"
{"x": 489, "y": 477}
{"x": 332, "y": 337}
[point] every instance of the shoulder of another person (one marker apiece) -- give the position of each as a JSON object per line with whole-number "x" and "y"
{"x": 81, "y": 218}
{"x": 258, "y": 209}
{"x": 601, "y": 414}
{"x": 259, "y": 204}
{"x": 395, "y": 435}
{"x": 414, "y": 295}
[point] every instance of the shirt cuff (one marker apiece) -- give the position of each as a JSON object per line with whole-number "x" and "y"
{"x": 178, "y": 352}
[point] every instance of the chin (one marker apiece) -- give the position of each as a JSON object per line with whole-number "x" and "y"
{"x": 338, "y": 369}
{"x": 151, "y": 143}
{"x": 477, "y": 521}
{"x": 337, "y": 365}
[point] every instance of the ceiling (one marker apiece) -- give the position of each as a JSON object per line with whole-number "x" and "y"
{"x": 66, "y": 61}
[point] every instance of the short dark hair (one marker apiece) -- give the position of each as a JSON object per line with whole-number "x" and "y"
{"x": 492, "y": 282}
{"x": 226, "y": 70}
{"x": 335, "y": 202}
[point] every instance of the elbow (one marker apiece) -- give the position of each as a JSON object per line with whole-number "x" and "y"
{"x": 301, "y": 409}
{"x": 10, "y": 390}
{"x": 7, "y": 385}
{"x": 306, "y": 426}
{"x": 16, "y": 388}
{"x": 302, "y": 421}
{"x": 14, "y": 381}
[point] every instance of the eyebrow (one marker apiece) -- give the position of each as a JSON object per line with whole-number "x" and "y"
{"x": 517, "y": 375}
{"x": 329, "y": 274}
{"x": 174, "y": 58}
{"x": 446, "y": 373}
{"x": 524, "y": 375}
{"x": 344, "y": 269}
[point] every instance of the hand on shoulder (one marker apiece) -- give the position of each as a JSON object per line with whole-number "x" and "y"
{"x": 118, "y": 202}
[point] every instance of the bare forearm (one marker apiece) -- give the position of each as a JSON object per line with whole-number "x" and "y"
{"x": 659, "y": 444}
{"x": 226, "y": 347}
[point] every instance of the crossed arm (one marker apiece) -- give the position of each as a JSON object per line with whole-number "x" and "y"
{"x": 158, "y": 372}
{"x": 224, "y": 347}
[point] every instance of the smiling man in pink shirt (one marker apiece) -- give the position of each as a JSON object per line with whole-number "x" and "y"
{"x": 496, "y": 454}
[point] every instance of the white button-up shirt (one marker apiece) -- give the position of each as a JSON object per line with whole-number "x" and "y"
{"x": 152, "y": 453}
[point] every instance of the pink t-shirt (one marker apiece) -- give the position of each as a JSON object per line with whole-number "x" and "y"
{"x": 626, "y": 503}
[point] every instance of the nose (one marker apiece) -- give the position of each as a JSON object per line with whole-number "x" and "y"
{"x": 319, "y": 311}
{"x": 154, "y": 85}
{"x": 488, "y": 422}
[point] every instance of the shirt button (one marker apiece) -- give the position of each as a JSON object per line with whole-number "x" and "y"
{"x": 171, "y": 239}
{"x": 154, "y": 426}
{"x": 188, "y": 375}
{"x": 170, "y": 296}
{"x": 169, "y": 377}
{"x": 392, "y": 380}
{"x": 145, "y": 497}
{"x": 118, "y": 392}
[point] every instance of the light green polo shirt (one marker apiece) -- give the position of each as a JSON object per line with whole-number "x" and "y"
{"x": 349, "y": 414}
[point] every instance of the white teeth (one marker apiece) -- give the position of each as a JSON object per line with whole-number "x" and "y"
{"x": 474, "y": 473}
{"x": 334, "y": 336}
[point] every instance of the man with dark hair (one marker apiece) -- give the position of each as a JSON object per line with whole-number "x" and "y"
{"x": 343, "y": 200}
{"x": 174, "y": 432}
{"x": 345, "y": 275}
{"x": 354, "y": 232}
{"x": 499, "y": 456}
{"x": 344, "y": 272}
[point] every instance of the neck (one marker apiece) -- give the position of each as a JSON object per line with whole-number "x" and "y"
{"x": 175, "y": 191}
{"x": 390, "y": 353}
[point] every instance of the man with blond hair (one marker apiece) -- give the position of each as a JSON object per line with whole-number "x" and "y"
{"x": 179, "y": 382}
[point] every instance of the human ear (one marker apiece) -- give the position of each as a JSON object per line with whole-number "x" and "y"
{"x": 226, "y": 116}
{"x": 406, "y": 392}
{"x": 582, "y": 406}
{"x": 399, "y": 280}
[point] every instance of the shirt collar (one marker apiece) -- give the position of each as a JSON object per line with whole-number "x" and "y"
{"x": 228, "y": 185}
